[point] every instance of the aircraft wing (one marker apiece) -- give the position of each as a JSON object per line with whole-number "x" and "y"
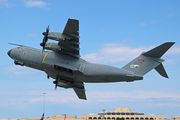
{"x": 71, "y": 45}
{"x": 72, "y": 27}
{"x": 80, "y": 92}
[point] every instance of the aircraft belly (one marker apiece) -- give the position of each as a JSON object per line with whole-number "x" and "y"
{"x": 112, "y": 78}
{"x": 107, "y": 78}
{"x": 95, "y": 79}
{"x": 96, "y": 73}
{"x": 115, "y": 78}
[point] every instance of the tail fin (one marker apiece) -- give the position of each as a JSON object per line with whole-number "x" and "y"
{"x": 149, "y": 60}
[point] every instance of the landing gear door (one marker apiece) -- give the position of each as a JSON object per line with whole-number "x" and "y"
{"x": 81, "y": 68}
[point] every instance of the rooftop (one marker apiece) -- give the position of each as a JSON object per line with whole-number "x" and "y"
{"x": 120, "y": 111}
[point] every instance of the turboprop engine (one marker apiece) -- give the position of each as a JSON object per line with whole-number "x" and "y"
{"x": 61, "y": 84}
{"x": 54, "y": 36}
{"x": 53, "y": 46}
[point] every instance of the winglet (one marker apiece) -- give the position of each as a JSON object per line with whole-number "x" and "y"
{"x": 159, "y": 51}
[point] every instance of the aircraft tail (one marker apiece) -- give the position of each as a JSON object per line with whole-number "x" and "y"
{"x": 149, "y": 60}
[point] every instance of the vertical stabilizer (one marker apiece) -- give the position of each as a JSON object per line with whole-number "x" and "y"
{"x": 149, "y": 60}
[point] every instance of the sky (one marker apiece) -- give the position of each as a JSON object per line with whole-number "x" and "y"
{"x": 112, "y": 33}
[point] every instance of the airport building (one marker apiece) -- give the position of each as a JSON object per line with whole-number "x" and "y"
{"x": 122, "y": 114}
{"x": 117, "y": 114}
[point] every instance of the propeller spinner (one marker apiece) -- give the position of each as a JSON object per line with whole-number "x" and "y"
{"x": 45, "y": 39}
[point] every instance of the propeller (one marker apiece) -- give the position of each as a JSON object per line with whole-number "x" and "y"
{"x": 45, "y": 39}
{"x": 56, "y": 83}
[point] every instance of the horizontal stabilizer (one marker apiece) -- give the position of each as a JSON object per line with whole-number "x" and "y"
{"x": 160, "y": 69}
{"x": 159, "y": 51}
{"x": 80, "y": 93}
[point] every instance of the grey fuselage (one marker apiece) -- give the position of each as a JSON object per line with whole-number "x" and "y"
{"x": 82, "y": 70}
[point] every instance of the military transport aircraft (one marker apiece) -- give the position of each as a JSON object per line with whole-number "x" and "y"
{"x": 62, "y": 61}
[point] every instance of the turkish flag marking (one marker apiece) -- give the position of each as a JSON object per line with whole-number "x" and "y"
{"x": 142, "y": 60}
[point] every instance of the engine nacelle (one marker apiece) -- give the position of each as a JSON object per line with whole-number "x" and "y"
{"x": 53, "y": 46}
{"x": 57, "y": 36}
{"x": 61, "y": 84}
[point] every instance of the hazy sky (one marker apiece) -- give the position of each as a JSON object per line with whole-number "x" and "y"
{"x": 112, "y": 32}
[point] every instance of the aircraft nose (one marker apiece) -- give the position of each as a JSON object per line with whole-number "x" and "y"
{"x": 9, "y": 52}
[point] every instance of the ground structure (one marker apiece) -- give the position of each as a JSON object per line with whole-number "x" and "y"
{"x": 118, "y": 114}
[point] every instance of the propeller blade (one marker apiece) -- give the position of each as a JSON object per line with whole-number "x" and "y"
{"x": 55, "y": 87}
{"x": 47, "y": 29}
{"x": 56, "y": 83}
{"x": 45, "y": 39}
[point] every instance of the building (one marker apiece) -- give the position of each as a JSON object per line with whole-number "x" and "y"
{"x": 122, "y": 114}
{"x": 63, "y": 117}
{"x": 176, "y": 118}
{"x": 118, "y": 114}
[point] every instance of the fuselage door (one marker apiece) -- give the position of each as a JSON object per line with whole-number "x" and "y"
{"x": 81, "y": 68}
{"x": 24, "y": 54}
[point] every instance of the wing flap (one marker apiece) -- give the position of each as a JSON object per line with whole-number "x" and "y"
{"x": 73, "y": 35}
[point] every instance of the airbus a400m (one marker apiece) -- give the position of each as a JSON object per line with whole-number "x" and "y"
{"x": 62, "y": 61}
